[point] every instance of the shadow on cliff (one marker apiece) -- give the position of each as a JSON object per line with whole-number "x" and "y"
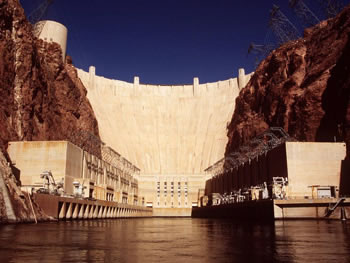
{"x": 335, "y": 125}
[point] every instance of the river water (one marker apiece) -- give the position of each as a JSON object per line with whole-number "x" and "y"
{"x": 176, "y": 240}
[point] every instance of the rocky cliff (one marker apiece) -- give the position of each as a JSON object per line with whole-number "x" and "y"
{"x": 303, "y": 87}
{"x": 41, "y": 98}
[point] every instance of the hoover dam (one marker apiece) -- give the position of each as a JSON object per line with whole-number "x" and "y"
{"x": 173, "y": 150}
{"x": 171, "y": 133}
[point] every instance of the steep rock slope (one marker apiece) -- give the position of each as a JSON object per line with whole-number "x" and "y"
{"x": 15, "y": 205}
{"x": 303, "y": 87}
{"x": 41, "y": 98}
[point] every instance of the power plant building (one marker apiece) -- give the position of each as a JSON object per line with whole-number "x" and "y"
{"x": 70, "y": 164}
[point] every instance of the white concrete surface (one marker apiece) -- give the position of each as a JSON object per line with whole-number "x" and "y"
{"x": 52, "y": 31}
{"x": 164, "y": 129}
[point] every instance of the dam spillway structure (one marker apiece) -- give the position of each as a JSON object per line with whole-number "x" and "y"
{"x": 171, "y": 132}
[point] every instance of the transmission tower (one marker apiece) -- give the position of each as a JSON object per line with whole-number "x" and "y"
{"x": 331, "y": 7}
{"x": 37, "y": 14}
{"x": 281, "y": 26}
{"x": 307, "y": 17}
{"x": 260, "y": 51}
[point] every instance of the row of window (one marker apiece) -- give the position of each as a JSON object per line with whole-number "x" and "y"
{"x": 172, "y": 204}
{"x": 172, "y": 189}
{"x": 172, "y": 195}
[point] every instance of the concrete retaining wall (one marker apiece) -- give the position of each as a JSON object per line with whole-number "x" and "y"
{"x": 70, "y": 208}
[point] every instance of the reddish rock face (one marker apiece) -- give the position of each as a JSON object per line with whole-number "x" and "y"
{"x": 41, "y": 98}
{"x": 303, "y": 87}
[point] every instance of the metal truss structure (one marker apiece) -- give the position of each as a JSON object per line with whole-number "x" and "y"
{"x": 90, "y": 141}
{"x": 331, "y": 7}
{"x": 37, "y": 14}
{"x": 259, "y": 145}
{"x": 281, "y": 26}
{"x": 304, "y": 13}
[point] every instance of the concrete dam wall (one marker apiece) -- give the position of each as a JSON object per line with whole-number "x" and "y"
{"x": 171, "y": 133}
{"x": 164, "y": 129}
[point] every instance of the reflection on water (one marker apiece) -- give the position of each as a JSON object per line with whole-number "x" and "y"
{"x": 176, "y": 240}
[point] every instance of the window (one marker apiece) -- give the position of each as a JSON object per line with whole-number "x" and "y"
{"x": 158, "y": 189}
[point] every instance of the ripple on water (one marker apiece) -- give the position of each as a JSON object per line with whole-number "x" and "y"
{"x": 176, "y": 240}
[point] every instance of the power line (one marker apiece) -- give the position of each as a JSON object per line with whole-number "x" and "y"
{"x": 331, "y": 7}
{"x": 260, "y": 51}
{"x": 308, "y": 18}
{"x": 281, "y": 26}
{"x": 37, "y": 14}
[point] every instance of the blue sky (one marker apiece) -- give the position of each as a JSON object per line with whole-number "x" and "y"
{"x": 163, "y": 41}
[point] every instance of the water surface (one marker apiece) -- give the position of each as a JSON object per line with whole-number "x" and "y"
{"x": 176, "y": 240}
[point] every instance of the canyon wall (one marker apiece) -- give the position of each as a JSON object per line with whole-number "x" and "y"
{"x": 41, "y": 98}
{"x": 303, "y": 87}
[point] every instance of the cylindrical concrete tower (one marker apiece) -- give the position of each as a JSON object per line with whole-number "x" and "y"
{"x": 52, "y": 31}
{"x": 241, "y": 79}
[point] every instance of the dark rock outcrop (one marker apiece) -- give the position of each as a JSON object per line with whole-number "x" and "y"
{"x": 41, "y": 98}
{"x": 303, "y": 87}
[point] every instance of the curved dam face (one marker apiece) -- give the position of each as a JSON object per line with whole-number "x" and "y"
{"x": 171, "y": 133}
